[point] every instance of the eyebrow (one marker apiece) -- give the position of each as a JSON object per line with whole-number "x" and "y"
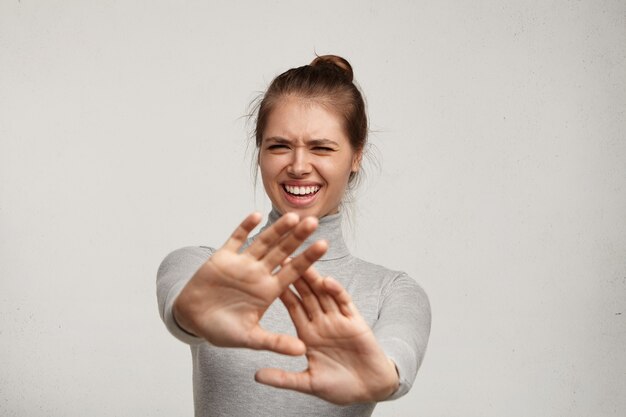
{"x": 313, "y": 142}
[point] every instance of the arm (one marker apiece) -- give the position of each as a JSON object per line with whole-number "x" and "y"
{"x": 403, "y": 328}
{"x": 174, "y": 272}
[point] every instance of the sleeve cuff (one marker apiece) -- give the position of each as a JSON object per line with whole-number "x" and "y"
{"x": 403, "y": 357}
{"x": 170, "y": 321}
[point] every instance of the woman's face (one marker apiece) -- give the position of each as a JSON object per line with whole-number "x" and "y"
{"x": 305, "y": 158}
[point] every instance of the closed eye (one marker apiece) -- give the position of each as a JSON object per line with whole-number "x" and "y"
{"x": 323, "y": 149}
{"x": 277, "y": 146}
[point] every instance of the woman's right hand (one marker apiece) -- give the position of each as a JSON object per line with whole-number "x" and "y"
{"x": 226, "y": 298}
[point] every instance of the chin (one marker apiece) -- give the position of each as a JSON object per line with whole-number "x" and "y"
{"x": 302, "y": 212}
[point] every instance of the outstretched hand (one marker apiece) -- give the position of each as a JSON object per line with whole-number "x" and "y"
{"x": 226, "y": 298}
{"x": 345, "y": 362}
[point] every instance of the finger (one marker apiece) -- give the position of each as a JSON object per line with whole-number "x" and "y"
{"x": 239, "y": 236}
{"x": 295, "y": 268}
{"x": 295, "y": 308}
{"x": 273, "y": 234}
{"x": 316, "y": 282}
{"x": 341, "y": 296}
{"x": 309, "y": 300}
{"x": 261, "y": 339}
{"x": 290, "y": 242}
{"x": 278, "y": 378}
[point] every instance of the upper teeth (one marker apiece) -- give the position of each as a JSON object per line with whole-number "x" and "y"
{"x": 302, "y": 190}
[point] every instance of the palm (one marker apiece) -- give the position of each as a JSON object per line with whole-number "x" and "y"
{"x": 346, "y": 364}
{"x": 225, "y": 299}
{"x": 336, "y": 353}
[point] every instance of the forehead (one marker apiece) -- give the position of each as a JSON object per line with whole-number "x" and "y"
{"x": 302, "y": 119}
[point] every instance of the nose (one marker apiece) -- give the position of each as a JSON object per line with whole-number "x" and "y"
{"x": 300, "y": 164}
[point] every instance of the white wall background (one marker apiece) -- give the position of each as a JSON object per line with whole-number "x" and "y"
{"x": 501, "y": 134}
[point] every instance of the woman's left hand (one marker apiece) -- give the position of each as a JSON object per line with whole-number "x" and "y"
{"x": 346, "y": 364}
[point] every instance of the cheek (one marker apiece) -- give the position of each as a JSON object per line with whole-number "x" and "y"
{"x": 265, "y": 165}
{"x": 337, "y": 171}
{"x": 270, "y": 165}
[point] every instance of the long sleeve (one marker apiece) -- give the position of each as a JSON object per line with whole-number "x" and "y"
{"x": 176, "y": 269}
{"x": 403, "y": 328}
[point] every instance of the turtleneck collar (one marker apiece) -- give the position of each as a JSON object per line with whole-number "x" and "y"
{"x": 328, "y": 229}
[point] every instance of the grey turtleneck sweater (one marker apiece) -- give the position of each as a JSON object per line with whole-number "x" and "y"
{"x": 394, "y": 306}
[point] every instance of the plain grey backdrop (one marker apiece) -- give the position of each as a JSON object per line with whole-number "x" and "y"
{"x": 499, "y": 129}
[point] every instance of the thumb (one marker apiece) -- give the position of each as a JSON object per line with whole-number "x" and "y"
{"x": 278, "y": 378}
{"x": 260, "y": 339}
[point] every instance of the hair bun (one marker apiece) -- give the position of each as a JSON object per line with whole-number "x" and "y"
{"x": 336, "y": 62}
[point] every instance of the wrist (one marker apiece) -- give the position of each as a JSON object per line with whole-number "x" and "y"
{"x": 396, "y": 373}
{"x": 394, "y": 380}
{"x": 181, "y": 323}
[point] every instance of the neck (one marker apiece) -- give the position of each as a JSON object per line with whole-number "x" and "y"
{"x": 328, "y": 229}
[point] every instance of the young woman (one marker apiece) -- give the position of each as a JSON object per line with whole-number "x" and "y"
{"x": 347, "y": 333}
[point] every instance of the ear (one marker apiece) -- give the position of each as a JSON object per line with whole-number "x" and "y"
{"x": 356, "y": 161}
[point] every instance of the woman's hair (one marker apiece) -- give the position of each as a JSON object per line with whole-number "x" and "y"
{"x": 327, "y": 81}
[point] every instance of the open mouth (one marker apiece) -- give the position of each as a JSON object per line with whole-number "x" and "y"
{"x": 301, "y": 191}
